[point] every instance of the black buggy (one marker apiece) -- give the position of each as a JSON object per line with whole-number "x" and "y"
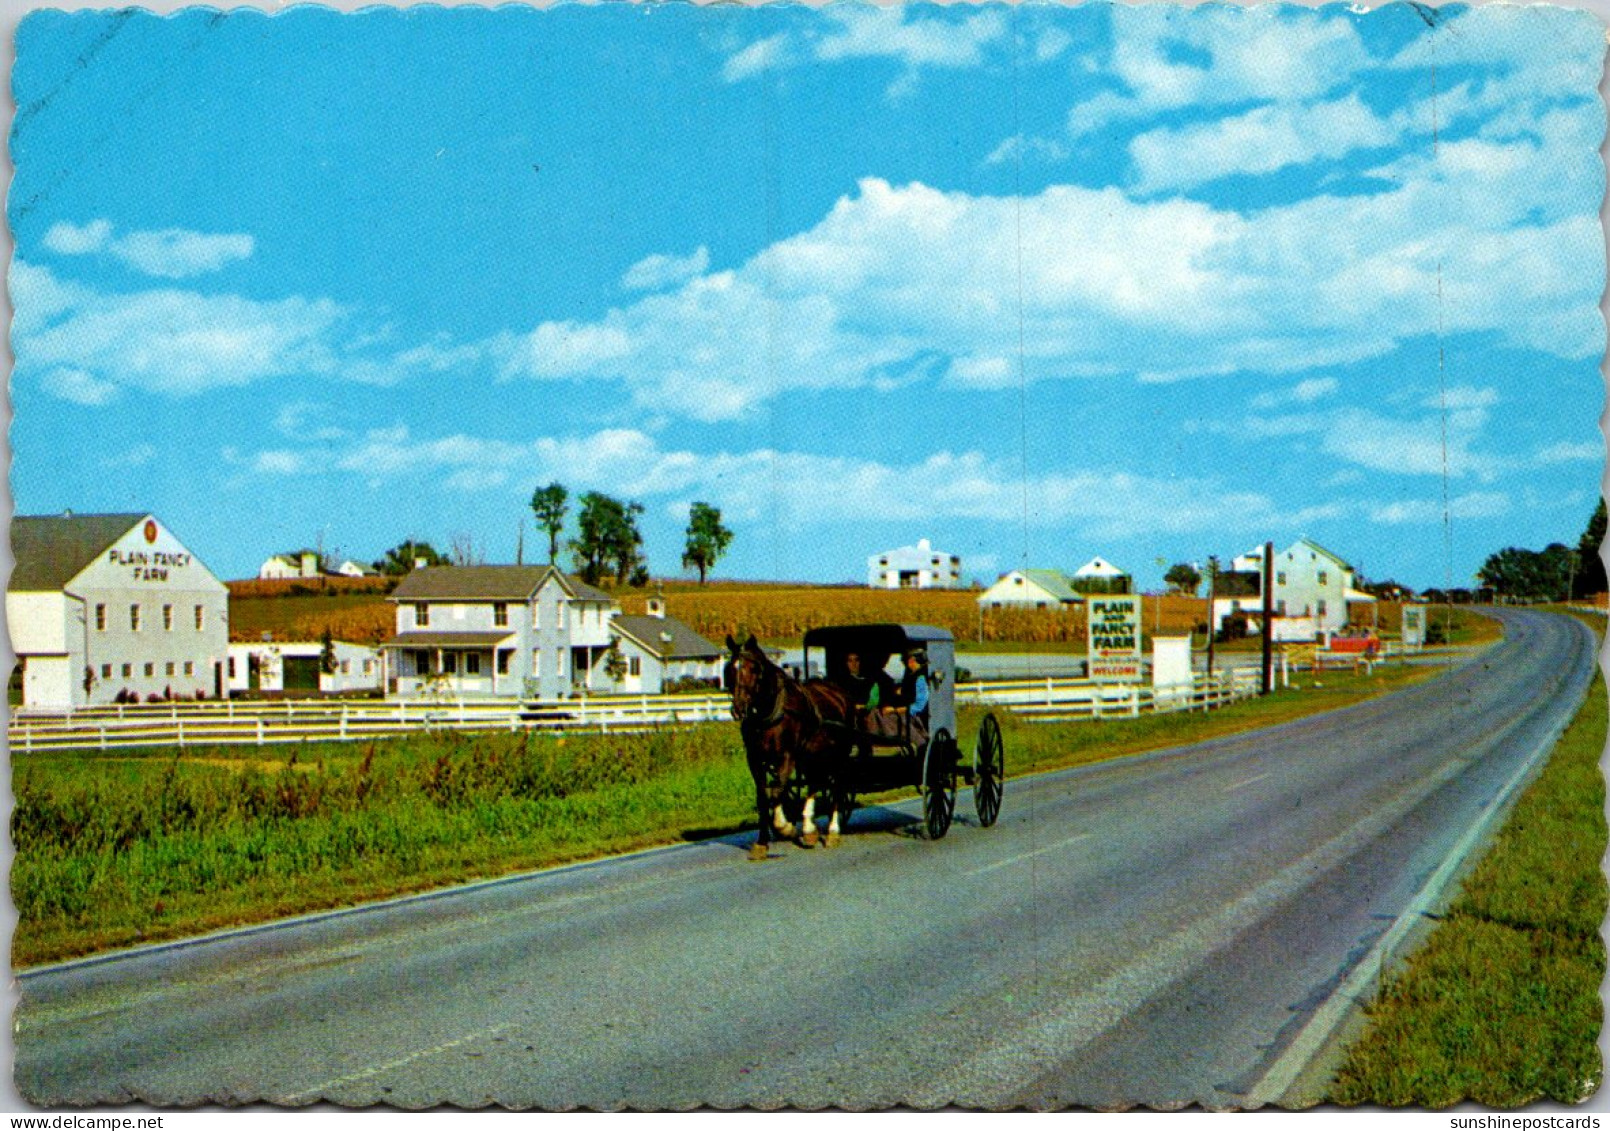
{"x": 879, "y": 762}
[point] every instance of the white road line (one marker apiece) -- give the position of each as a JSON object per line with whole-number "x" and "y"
{"x": 322, "y": 1090}
{"x": 1243, "y": 784}
{"x": 1026, "y": 855}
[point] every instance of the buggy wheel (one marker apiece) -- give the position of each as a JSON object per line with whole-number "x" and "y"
{"x": 939, "y": 784}
{"x": 989, "y": 766}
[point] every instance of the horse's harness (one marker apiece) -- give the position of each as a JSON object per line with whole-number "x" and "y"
{"x": 779, "y": 707}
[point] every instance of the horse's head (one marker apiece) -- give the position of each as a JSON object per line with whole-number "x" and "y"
{"x": 750, "y": 676}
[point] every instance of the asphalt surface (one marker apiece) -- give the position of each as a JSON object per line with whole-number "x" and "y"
{"x": 1151, "y": 931}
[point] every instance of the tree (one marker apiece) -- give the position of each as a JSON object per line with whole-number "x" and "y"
{"x": 1529, "y": 575}
{"x": 607, "y": 538}
{"x": 1590, "y": 577}
{"x": 550, "y": 505}
{"x": 707, "y": 539}
{"x": 1183, "y": 577}
{"x": 462, "y": 551}
{"x": 327, "y": 660}
{"x": 400, "y": 558}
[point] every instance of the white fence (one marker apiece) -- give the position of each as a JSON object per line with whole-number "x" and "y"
{"x": 1064, "y": 700}
{"x": 265, "y": 722}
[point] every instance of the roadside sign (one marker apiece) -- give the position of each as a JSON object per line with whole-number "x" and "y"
{"x": 1414, "y": 626}
{"x": 1113, "y": 626}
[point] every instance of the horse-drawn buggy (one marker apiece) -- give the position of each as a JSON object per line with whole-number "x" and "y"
{"x": 853, "y": 729}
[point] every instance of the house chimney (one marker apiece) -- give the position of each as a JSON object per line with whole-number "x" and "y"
{"x": 924, "y": 545}
{"x": 656, "y": 607}
{"x": 310, "y": 564}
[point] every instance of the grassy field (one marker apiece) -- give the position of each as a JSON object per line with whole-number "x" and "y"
{"x": 120, "y": 848}
{"x": 1501, "y": 1005}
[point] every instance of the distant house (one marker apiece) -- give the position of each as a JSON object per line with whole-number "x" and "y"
{"x": 1100, "y": 576}
{"x": 287, "y": 565}
{"x": 660, "y": 650}
{"x": 297, "y": 666}
{"x": 1031, "y": 589}
{"x": 351, "y": 568}
{"x": 914, "y": 567}
{"x": 499, "y": 630}
{"x": 1313, "y": 593}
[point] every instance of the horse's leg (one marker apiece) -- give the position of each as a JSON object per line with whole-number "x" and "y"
{"x": 761, "y": 848}
{"x": 808, "y": 822}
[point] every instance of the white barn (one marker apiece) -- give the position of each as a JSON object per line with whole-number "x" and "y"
{"x": 914, "y": 567}
{"x": 1030, "y": 589}
{"x": 1313, "y": 593}
{"x": 285, "y": 565}
{"x": 1100, "y": 576}
{"x": 103, "y": 604}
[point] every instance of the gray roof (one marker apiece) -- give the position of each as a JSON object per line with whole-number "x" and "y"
{"x": 448, "y": 639}
{"x": 1053, "y": 583}
{"x": 486, "y": 583}
{"x": 685, "y": 644}
{"x": 51, "y": 550}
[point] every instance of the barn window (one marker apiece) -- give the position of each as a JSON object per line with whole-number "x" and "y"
{"x": 128, "y": 670}
{"x": 150, "y": 670}
{"x": 1322, "y": 577}
{"x": 170, "y": 668}
{"x": 167, "y": 620}
{"x": 106, "y": 671}
{"x": 189, "y": 667}
{"x": 134, "y": 618}
{"x": 100, "y": 618}
{"x": 1280, "y": 578}
{"x": 201, "y": 617}
{"x": 346, "y": 666}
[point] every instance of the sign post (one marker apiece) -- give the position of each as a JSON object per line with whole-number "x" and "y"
{"x": 1113, "y": 630}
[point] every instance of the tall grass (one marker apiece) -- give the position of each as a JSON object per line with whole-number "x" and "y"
{"x": 1502, "y": 1004}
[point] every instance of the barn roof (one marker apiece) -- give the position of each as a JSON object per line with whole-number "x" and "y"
{"x": 487, "y": 583}
{"x": 50, "y": 550}
{"x": 685, "y": 644}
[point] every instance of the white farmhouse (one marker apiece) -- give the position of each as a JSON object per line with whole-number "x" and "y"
{"x": 914, "y": 567}
{"x": 660, "y": 649}
{"x": 287, "y": 565}
{"x": 103, "y": 604}
{"x": 1030, "y": 589}
{"x": 351, "y": 568}
{"x": 297, "y": 667}
{"x": 1313, "y": 593}
{"x": 498, "y": 630}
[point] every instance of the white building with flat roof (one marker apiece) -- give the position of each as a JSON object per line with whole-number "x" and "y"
{"x": 914, "y": 567}
{"x": 106, "y": 604}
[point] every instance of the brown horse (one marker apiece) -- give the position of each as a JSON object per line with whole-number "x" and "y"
{"x": 788, "y": 731}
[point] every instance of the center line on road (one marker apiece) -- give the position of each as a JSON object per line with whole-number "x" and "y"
{"x": 1026, "y": 855}
{"x": 1244, "y": 784}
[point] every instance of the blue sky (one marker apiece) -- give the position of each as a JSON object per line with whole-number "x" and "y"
{"x": 1036, "y": 283}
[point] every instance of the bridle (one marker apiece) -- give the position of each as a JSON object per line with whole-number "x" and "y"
{"x": 748, "y": 709}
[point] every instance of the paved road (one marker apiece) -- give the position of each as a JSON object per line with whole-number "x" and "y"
{"x": 1155, "y": 930}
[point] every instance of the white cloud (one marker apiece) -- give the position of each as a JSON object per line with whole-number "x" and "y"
{"x": 1475, "y": 505}
{"x": 1262, "y": 140}
{"x": 1303, "y": 392}
{"x": 78, "y": 386}
{"x": 171, "y": 253}
{"x": 911, "y": 37}
{"x": 1565, "y": 451}
{"x": 658, "y": 271}
{"x": 1020, "y": 148}
{"x": 794, "y": 489}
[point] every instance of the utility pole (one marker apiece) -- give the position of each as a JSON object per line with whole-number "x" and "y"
{"x": 1268, "y": 617}
{"x": 1213, "y": 587}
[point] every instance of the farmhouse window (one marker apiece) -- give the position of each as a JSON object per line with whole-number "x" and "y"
{"x": 421, "y": 662}
{"x": 231, "y": 667}
{"x": 170, "y": 668}
{"x": 134, "y": 618}
{"x": 500, "y": 615}
{"x": 472, "y": 663}
{"x": 150, "y": 670}
{"x": 536, "y": 665}
{"x": 189, "y": 667}
{"x": 201, "y": 617}
{"x": 167, "y": 620}
{"x": 450, "y": 663}
{"x": 106, "y": 671}
{"x": 422, "y": 616}
{"x": 1322, "y": 608}
{"x": 100, "y": 618}
{"x": 128, "y": 670}
{"x": 634, "y": 666}
{"x": 503, "y": 662}
{"x": 346, "y": 666}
